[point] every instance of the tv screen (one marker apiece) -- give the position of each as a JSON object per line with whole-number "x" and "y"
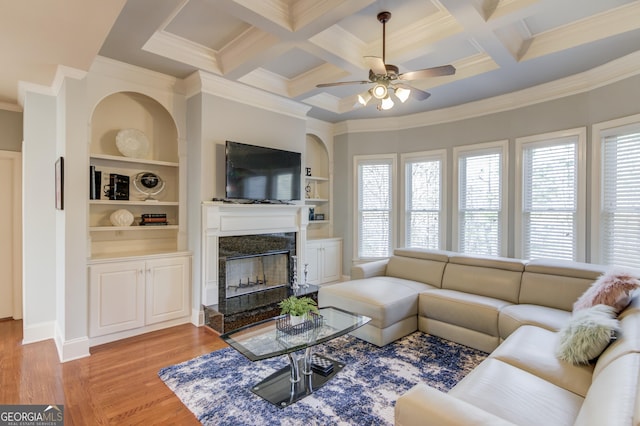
{"x": 260, "y": 173}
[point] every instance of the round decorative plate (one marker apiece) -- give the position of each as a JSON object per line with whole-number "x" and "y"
{"x": 132, "y": 143}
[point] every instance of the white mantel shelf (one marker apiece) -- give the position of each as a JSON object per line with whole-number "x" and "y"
{"x": 221, "y": 219}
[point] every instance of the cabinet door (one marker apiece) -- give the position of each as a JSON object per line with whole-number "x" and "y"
{"x": 331, "y": 261}
{"x": 116, "y": 297}
{"x": 168, "y": 283}
{"x": 313, "y": 259}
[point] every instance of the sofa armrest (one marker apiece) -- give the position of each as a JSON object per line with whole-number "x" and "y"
{"x": 369, "y": 269}
{"x": 424, "y": 405}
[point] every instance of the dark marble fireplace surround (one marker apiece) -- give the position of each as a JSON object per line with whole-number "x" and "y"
{"x": 249, "y": 307}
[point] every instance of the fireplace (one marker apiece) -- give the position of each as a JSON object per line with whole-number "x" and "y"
{"x": 255, "y": 271}
{"x": 234, "y": 232}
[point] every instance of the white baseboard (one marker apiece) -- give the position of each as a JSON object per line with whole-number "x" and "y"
{"x": 68, "y": 350}
{"x": 38, "y": 332}
{"x": 197, "y": 317}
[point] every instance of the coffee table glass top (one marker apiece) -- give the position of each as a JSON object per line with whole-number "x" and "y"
{"x": 264, "y": 340}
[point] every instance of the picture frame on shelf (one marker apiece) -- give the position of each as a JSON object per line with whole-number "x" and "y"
{"x": 59, "y": 179}
{"x": 319, "y": 216}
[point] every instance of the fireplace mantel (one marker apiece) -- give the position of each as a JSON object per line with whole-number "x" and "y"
{"x": 225, "y": 220}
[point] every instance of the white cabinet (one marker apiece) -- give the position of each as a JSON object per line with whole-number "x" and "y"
{"x": 129, "y": 295}
{"x": 324, "y": 259}
{"x": 167, "y": 287}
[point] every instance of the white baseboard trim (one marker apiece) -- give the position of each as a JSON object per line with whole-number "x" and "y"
{"x": 197, "y": 317}
{"x": 38, "y": 332}
{"x": 68, "y": 350}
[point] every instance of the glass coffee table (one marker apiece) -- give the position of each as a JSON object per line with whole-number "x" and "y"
{"x": 276, "y": 336}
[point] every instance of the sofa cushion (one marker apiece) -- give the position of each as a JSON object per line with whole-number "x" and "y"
{"x": 484, "y": 281}
{"x": 466, "y": 310}
{"x": 418, "y": 265}
{"x": 529, "y": 348}
{"x": 556, "y": 283}
{"x": 386, "y": 300}
{"x": 514, "y": 316}
{"x": 517, "y": 395}
{"x": 613, "y": 397}
{"x": 587, "y": 334}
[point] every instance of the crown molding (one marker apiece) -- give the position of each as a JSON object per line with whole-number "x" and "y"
{"x": 619, "y": 69}
{"x": 134, "y": 74}
{"x": 179, "y": 49}
{"x": 202, "y": 82}
{"x": 62, "y": 72}
{"x": 6, "y": 106}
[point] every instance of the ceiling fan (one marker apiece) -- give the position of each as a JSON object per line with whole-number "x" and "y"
{"x": 386, "y": 77}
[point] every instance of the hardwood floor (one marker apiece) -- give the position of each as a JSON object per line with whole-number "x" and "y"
{"x": 117, "y": 385}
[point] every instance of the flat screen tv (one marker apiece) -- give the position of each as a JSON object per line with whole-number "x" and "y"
{"x": 261, "y": 174}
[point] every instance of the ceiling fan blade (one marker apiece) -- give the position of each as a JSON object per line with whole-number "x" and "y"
{"x": 376, "y": 65}
{"x": 428, "y": 72}
{"x": 417, "y": 94}
{"x": 342, "y": 83}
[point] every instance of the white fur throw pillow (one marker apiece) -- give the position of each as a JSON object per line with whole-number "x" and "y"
{"x": 587, "y": 334}
{"x": 612, "y": 288}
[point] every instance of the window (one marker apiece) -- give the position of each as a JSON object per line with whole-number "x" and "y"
{"x": 479, "y": 201}
{"x": 424, "y": 219}
{"x": 375, "y": 177}
{"x": 550, "y": 207}
{"x": 616, "y": 200}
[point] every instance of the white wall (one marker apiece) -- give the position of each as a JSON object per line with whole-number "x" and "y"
{"x": 39, "y": 217}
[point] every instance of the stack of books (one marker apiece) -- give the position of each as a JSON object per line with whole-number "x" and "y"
{"x": 154, "y": 219}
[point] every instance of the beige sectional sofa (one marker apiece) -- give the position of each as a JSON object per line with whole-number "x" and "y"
{"x": 512, "y": 309}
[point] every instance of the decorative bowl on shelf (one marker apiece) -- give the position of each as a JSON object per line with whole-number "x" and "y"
{"x": 121, "y": 217}
{"x": 132, "y": 143}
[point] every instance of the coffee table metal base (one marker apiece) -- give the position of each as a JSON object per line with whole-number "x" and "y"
{"x": 279, "y": 390}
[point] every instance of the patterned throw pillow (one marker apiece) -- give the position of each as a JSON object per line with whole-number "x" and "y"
{"x": 587, "y": 334}
{"x": 612, "y": 289}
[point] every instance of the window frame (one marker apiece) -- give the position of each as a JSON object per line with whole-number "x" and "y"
{"x": 581, "y": 204}
{"x": 383, "y": 158}
{"x": 405, "y": 158}
{"x": 598, "y": 132}
{"x": 486, "y": 147}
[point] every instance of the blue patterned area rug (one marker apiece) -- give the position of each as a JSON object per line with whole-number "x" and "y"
{"x": 216, "y": 386}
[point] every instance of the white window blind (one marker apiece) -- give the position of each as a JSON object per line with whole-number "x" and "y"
{"x": 549, "y": 199}
{"x": 423, "y": 203}
{"x": 480, "y": 202}
{"x": 620, "y": 215}
{"x": 375, "y": 179}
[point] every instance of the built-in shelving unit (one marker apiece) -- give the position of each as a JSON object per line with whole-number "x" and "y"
{"x": 317, "y": 186}
{"x": 139, "y": 275}
{"x": 127, "y": 110}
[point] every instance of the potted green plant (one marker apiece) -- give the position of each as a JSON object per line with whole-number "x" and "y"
{"x": 297, "y": 308}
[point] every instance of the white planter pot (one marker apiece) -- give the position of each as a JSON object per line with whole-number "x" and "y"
{"x": 297, "y": 319}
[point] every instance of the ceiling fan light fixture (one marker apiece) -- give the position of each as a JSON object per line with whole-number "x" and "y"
{"x": 379, "y": 91}
{"x": 364, "y": 98}
{"x": 402, "y": 94}
{"x": 387, "y": 103}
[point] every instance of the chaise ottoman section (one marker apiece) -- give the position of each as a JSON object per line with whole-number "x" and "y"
{"x": 391, "y": 303}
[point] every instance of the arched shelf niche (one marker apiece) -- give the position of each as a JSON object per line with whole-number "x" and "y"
{"x": 318, "y": 191}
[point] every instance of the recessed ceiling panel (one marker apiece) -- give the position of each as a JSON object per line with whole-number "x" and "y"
{"x": 293, "y": 63}
{"x": 560, "y": 13}
{"x": 204, "y": 23}
{"x": 367, "y": 28}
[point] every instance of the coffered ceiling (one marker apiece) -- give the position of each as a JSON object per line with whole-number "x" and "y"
{"x": 287, "y": 47}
